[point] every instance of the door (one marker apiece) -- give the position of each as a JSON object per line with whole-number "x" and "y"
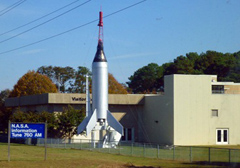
{"x": 221, "y": 136}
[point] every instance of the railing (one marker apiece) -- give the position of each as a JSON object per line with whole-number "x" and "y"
{"x": 226, "y": 92}
{"x": 180, "y": 153}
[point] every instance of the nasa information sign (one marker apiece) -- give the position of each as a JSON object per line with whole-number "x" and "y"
{"x": 27, "y": 130}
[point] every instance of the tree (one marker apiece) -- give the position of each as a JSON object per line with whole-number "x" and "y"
{"x": 217, "y": 63}
{"x": 33, "y": 83}
{"x": 5, "y": 113}
{"x": 146, "y": 79}
{"x": 234, "y": 72}
{"x": 182, "y": 65}
{"x": 79, "y": 85}
{"x": 69, "y": 120}
{"x": 62, "y": 76}
{"x": 3, "y": 95}
{"x": 74, "y": 81}
{"x": 114, "y": 87}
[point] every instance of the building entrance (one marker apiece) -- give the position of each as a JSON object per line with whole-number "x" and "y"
{"x": 221, "y": 136}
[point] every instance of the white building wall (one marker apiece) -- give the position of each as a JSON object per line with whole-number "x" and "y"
{"x": 228, "y": 106}
{"x": 192, "y": 100}
{"x": 193, "y": 104}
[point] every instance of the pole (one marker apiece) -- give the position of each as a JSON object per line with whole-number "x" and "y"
{"x": 173, "y": 152}
{"x": 229, "y": 156}
{"x": 209, "y": 154}
{"x": 144, "y": 150}
{"x": 45, "y": 141}
{"x": 9, "y": 127}
{"x": 190, "y": 154}
{"x": 119, "y": 145}
{"x": 132, "y": 149}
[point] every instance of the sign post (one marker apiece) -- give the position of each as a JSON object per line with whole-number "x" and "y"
{"x": 9, "y": 123}
{"x": 27, "y": 130}
{"x": 45, "y": 141}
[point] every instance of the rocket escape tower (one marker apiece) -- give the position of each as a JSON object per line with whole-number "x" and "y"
{"x": 100, "y": 24}
{"x": 100, "y": 56}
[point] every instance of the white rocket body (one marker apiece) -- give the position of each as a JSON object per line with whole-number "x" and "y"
{"x": 100, "y": 86}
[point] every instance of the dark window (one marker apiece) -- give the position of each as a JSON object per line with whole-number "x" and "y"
{"x": 217, "y": 89}
{"x": 225, "y": 136}
{"x": 214, "y": 112}
{"x": 129, "y": 134}
{"x": 219, "y": 135}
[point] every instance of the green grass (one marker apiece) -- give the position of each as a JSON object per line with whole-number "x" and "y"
{"x": 33, "y": 156}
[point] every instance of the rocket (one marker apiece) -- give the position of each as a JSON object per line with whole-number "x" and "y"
{"x": 99, "y": 118}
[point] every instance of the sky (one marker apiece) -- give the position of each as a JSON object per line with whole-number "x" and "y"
{"x": 153, "y": 31}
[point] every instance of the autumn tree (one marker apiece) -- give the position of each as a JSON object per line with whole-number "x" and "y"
{"x": 114, "y": 87}
{"x": 33, "y": 83}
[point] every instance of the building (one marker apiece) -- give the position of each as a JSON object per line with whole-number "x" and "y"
{"x": 194, "y": 110}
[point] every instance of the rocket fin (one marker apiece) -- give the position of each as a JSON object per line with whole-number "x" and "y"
{"x": 112, "y": 122}
{"x": 88, "y": 123}
{"x": 92, "y": 122}
{"x": 82, "y": 125}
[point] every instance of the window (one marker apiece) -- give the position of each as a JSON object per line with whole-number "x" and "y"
{"x": 222, "y": 136}
{"x": 218, "y": 89}
{"x": 214, "y": 112}
{"x": 128, "y": 134}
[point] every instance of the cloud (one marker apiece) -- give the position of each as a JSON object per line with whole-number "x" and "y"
{"x": 133, "y": 55}
{"x": 34, "y": 51}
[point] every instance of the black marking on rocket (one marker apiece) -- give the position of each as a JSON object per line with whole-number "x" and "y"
{"x": 100, "y": 56}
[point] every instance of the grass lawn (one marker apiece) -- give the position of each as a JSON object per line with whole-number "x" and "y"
{"x": 33, "y": 156}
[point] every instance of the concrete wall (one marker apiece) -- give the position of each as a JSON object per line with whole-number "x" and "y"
{"x": 232, "y": 89}
{"x": 157, "y": 116}
{"x": 27, "y": 100}
{"x": 72, "y": 98}
{"x": 191, "y": 109}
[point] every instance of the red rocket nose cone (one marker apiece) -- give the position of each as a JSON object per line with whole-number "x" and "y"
{"x": 100, "y": 56}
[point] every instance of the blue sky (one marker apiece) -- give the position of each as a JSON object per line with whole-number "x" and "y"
{"x": 154, "y": 31}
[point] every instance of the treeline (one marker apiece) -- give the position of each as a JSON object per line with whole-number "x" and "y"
{"x": 69, "y": 80}
{"x": 149, "y": 79}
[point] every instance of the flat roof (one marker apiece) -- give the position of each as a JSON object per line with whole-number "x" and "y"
{"x": 72, "y": 98}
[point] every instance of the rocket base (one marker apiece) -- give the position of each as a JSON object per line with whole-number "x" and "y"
{"x": 104, "y": 138}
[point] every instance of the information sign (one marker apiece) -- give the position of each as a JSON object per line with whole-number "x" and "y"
{"x": 27, "y": 130}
